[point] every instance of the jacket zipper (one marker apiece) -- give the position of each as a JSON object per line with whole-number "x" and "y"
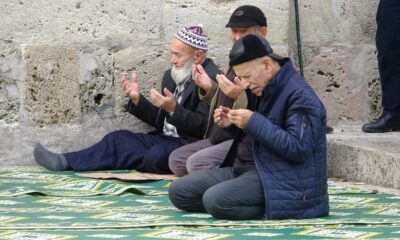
{"x": 303, "y": 126}
{"x": 301, "y": 185}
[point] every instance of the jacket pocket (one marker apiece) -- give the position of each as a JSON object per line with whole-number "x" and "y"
{"x": 302, "y": 125}
{"x": 301, "y": 185}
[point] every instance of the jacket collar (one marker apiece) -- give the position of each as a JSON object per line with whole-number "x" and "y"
{"x": 280, "y": 78}
{"x": 205, "y": 63}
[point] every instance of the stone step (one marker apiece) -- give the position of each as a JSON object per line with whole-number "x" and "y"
{"x": 372, "y": 158}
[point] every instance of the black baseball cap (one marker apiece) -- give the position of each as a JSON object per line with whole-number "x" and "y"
{"x": 247, "y": 16}
{"x": 250, "y": 47}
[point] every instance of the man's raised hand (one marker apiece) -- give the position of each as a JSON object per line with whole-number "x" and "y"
{"x": 201, "y": 78}
{"x": 131, "y": 87}
{"x": 230, "y": 89}
{"x": 166, "y": 102}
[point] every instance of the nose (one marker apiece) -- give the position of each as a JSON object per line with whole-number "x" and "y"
{"x": 246, "y": 85}
{"x": 236, "y": 36}
{"x": 174, "y": 60}
{"x": 251, "y": 86}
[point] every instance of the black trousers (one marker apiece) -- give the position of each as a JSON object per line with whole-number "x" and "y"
{"x": 125, "y": 150}
{"x": 388, "y": 45}
{"x": 221, "y": 192}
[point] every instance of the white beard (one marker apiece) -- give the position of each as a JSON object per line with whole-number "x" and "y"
{"x": 179, "y": 75}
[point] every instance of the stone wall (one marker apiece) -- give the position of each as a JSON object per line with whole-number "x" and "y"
{"x": 338, "y": 43}
{"x": 60, "y": 61}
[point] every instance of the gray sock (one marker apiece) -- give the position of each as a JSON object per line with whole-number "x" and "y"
{"x": 49, "y": 160}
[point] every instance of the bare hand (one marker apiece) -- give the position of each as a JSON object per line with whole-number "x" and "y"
{"x": 239, "y": 82}
{"x": 221, "y": 117}
{"x": 240, "y": 117}
{"x": 166, "y": 102}
{"x": 230, "y": 89}
{"x": 131, "y": 87}
{"x": 201, "y": 78}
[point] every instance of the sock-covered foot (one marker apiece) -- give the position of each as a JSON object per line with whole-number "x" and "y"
{"x": 49, "y": 160}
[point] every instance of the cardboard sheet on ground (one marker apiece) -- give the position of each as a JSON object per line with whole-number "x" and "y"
{"x": 16, "y": 182}
{"x": 132, "y": 176}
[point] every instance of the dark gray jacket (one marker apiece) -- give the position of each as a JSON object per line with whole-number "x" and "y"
{"x": 190, "y": 116}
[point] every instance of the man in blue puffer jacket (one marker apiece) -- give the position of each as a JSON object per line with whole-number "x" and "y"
{"x": 276, "y": 167}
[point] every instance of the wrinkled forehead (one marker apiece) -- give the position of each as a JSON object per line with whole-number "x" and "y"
{"x": 177, "y": 46}
{"x": 245, "y": 68}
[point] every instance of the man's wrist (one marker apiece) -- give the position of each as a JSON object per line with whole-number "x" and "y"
{"x": 171, "y": 110}
{"x": 206, "y": 88}
{"x": 135, "y": 100}
{"x": 234, "y": 94}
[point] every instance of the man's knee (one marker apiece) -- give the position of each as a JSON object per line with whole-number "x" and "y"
{"x": 215, "y": 205}
{"x": 203, "y": 159}
{"x": 154, "y": 163}
{"x": 173, "y": 194}
{"x": 179, "y": 195}
{"x": 177, "y": 164}
{"x": 117, "y": 134}
{"x": 194, "y": 163}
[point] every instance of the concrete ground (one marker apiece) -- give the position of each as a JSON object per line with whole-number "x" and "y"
{"x": 364, "y": 186}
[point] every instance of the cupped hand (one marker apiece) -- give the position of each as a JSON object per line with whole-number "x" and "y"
{"x": 221, "y": 117}
{"x": 166, "y": 102}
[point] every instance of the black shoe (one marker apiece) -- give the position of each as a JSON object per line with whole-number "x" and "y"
{"x": 385, "y": 123}
{"x": 49, "y": 160}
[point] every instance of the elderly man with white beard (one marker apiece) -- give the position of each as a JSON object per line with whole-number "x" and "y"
{"x": 177, "y": 115}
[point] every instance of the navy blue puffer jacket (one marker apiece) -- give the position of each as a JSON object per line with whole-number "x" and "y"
{"x": 290, "y": 147}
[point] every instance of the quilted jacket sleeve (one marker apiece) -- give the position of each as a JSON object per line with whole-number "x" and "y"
{"x": 145, "y": 111}
{"x": 297, "y": 139}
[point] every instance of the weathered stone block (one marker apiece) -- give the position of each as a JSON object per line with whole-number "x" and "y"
{"x": 52, "y": 83}
{"x": 9, "y": 110}
{"x": 374, "y": 103}
{"x": 80, "y": 21}
{"x": 11, "y": 62}
{"x": 97, "y": 81}
{"x": 328, "y": 75}
{"x": 11, "y": 68}
{"x": 327, "y": 21}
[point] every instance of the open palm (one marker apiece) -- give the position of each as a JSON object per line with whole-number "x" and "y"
{"x": 131, "y": 87}
{"x": 201, "y": 78}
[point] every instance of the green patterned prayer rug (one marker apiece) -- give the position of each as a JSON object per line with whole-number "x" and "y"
{"x": 36, "y": 204}
{"x": 15, "y": 182}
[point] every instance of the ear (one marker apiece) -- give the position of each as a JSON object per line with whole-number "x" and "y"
{"x": 198, "y": 56}
{"x": 267, "y": 63}
{"x": 263, "y": 31}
